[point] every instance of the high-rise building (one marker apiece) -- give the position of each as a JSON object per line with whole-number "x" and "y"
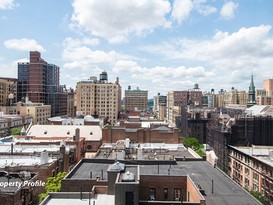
{"x": 40, "y": 82}
{"x": 136, "y": 99}
{"x": 99, "y": 97}
{"x": 71, "y": 103}
{"x": 178, "y": 99}
{"x": 265, "y": 96}
{"x": 32, "y": 79}
{"x": 160, "y": 102}
{"x": 8, "y": 91}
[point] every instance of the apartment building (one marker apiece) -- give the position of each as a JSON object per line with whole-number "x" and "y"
{"x": 160, "y": 102}
{"x": 8, "y": 91}
{"x": 99, "y": 97}
{"x": 38, "y": 111}
{"x": 265, "y": 96}
{"x": 40, "y": 82}
{"x": 177, "y": 99}
{"x": 71, "y": 103}
{"x": 252, "y": 168}
{"x": 136, "y": 99}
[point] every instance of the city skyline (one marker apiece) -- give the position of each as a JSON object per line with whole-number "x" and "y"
{"x": 154, "y": 45}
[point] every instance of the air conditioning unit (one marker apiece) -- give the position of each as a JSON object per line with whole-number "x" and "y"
{"x": 152, "y": 198}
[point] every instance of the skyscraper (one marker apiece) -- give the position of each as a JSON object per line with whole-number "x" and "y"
{"x": 32, "y": 78}
{"x": 40, "y": 82}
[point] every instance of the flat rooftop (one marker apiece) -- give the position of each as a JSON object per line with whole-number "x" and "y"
{"x": 92, "y": 132}
{"x": 6, "y": 148}
{"x": 225, "y": 190}
{"x": 16, "y": 160}
{"x": 159, "y": 151}
{"x": 72, "y": 198}
{"x": 260, "y": 153}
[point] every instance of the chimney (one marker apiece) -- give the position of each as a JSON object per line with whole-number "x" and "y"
{"x": 44, "y": 157}
{"x": 11, "y": 149}
{"x": 63, "y": 157}
{"x": 76, "y": 137}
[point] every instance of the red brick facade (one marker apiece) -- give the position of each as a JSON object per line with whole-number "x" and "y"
{"x": 141, "y": 135}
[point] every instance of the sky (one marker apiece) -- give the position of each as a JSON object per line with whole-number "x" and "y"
{"x": 156, "y": 45}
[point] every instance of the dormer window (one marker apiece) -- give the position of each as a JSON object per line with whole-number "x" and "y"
{"x": 68, "y": 132}
{"x": 91, "y": 133}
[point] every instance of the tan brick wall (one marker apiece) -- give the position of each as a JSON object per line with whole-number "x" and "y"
{"x": 195, "y": 195}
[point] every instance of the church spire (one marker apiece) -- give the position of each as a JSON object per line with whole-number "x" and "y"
{"x": 251, "y": 93}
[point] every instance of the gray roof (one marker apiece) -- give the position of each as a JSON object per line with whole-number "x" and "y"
{"x": 162, "y": 128}
{"x": 117, "y": 166}
{"x": 260, "y": 153}
{"x": 257, "y": 110}
{"x": 225, "y": 190}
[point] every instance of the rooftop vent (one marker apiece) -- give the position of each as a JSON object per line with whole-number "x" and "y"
{"x": 128, "y": 177}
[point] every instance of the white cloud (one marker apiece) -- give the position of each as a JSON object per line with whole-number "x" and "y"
{"x": 9, "y": 69}
{"x": 228, "y": 10}
{"x": 206, "y": 10}
{"x": 91, "y": 41}
{"x": 232, "y": 56}
{"x": 78, "y": 55}
{"x": 7, "y": 4}
{"x": 115, "y": 21}
{"x": 23, "y": 44}
{"x": 160, "y": 74}
{"x": 181, "y": 10}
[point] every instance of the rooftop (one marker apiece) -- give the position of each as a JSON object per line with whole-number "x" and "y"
{"x": 12, "y": 182}
{"x": 72, "y": 198}
{"x": 6, "y": 148}
{"x": 261, "y": 153}
{"x": 89, "y": 132}
{"x": 260, "y": 110}
{"x": 225, "y": 190}
{"x": 20, "y": 160}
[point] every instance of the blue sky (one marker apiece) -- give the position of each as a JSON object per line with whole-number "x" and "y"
{"x": 157, "y": 45}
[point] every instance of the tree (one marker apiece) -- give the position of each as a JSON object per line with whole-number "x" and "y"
{"x": 53, "y": 184}
{"x": 15, "y": 131}
{"x": 192, "y": 143}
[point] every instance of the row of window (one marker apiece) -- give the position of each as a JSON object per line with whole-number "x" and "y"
{"x": 177, "y": 194}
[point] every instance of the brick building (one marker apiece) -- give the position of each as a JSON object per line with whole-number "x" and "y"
{"x": 138, "y": 134}
{"x": 136, "y": 99}
{"x": 40, "y": 82}
{"x": 15, "y": 194}
{"x": 193, "y": 122}
{"x": 131, "y": 184}
{"x": 149, "y": 182}
{"x": 252, "y": 168}
{"x": 99, "y": 97}
{"x": 8, "y": 91}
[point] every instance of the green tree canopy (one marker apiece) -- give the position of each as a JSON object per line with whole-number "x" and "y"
{"x": 192, "y": 143}
{"x": 53, "y": 184}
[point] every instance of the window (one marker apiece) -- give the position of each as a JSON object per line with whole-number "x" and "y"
{"x": 177, "y": 194}
{"x": 165, "y": 194}
{"x": 152, "y": 194}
